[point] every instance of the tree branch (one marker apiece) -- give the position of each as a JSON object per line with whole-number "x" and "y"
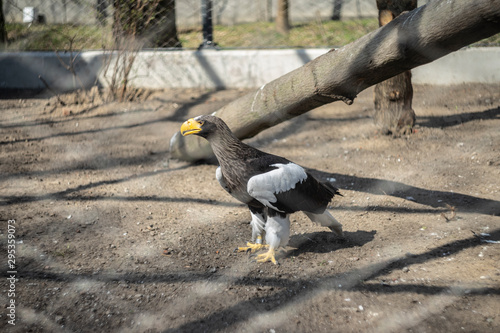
{"x": 410, "y": 40}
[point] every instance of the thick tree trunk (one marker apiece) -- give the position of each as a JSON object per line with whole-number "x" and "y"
{"x": 393, "y": 113}
{"x": 393, "y": 97}
{"x": 3, "y": 32}
{"x": 282, "y": 20}
{"x": 149, "y": 23}
{"x": 410, "y": 40}
{"x": 337, "y": 9}
{"x": 163, "y": 30}
{"x": 101, "y": 14}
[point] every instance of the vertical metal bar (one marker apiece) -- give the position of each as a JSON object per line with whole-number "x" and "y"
{"x": 206, "y": 19}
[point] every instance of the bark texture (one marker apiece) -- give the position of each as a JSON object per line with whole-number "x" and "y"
{"x": 282, "y": 17}
{"x": 393, "y": 113}
{"x": 410, "y": 40}
{"x": 149, "y": 23}
{"x": 3, "y": 31}
{"x": 393, "y": 97}
{"x": 337, "y": 9}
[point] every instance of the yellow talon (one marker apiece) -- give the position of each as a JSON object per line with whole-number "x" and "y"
{"x": 268, "y": 256}
{"x": 253, "y": 247}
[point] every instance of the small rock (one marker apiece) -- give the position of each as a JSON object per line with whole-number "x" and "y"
{"x": 406, "y": 269}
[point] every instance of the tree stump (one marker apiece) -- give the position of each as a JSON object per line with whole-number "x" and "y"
{"x": 393, "y": 112}
{"x": 393, "y": 97}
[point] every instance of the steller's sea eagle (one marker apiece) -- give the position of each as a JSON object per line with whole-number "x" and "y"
{"x": 272, "y": 186}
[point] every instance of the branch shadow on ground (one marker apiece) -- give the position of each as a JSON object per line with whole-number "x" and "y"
{"x": 427, "y": 121}
{"x": 73, "y": 193}
{"x": 291, "y": 293}
{"x": 95, "y": 162}
{"x": 384, "y": 267}
{"x": 178, "y": 115}
{"x": 295, "y": 292}
{"x": 457, "y": 119}
{"x": 327, "y": 241}
{"x": 431, "y": 198}
{"x": 79, "y": 117}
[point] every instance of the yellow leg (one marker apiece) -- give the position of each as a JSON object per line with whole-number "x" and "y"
{"x": 268, "y": 256}
{"x": 253, "y": 247}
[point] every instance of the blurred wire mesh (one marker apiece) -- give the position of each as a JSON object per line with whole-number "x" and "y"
{"x": 34, "y": 25}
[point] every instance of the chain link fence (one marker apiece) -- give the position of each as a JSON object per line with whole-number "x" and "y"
{"x": 35, "y": 25}
{"x": 121, "y": 28}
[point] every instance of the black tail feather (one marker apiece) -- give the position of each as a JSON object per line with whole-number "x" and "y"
{"x": 332, "y": 189}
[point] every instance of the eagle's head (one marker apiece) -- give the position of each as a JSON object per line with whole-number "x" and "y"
{"x": 203, "y": 126}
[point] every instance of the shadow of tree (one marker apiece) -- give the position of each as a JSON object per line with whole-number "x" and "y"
{"x": 72, "y": 194}
{"x": 436, "y": 199}
{"x": 453, "y": 120}
{"x": 95, "y": 162}
{"x": 62, "y": 120}
{"x": 326, "y": 241}
{"x": 295, "y": 293}
{"x": 292, "y": 292}
{"x": 358, "y": 238}
{"x": 178, "y": 115}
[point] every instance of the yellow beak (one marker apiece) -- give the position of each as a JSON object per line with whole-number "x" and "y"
{"x": 190, "y": 126}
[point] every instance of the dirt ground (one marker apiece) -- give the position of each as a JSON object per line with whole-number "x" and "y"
{"x": 111, "y": 235}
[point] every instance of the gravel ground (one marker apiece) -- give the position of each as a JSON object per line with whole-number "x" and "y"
{"x": 111, "y": 235}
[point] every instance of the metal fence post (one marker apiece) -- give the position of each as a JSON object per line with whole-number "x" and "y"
{"x": 206, "y": 17}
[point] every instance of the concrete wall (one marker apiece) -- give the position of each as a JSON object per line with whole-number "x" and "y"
{"x": 222, "y": 69}
{"x": 21, "y": 70}
{"x": 478, "y": 65}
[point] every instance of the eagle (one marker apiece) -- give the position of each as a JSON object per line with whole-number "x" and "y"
{"x": 271, "y": 186}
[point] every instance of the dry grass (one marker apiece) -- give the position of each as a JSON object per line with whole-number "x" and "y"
{"x": 251, "y": 35}
{"x": 264, "y": 34}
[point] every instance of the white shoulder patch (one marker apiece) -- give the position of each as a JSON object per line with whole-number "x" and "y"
{"x": 218, "y": 175}
{"x": 265, "y": 186}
